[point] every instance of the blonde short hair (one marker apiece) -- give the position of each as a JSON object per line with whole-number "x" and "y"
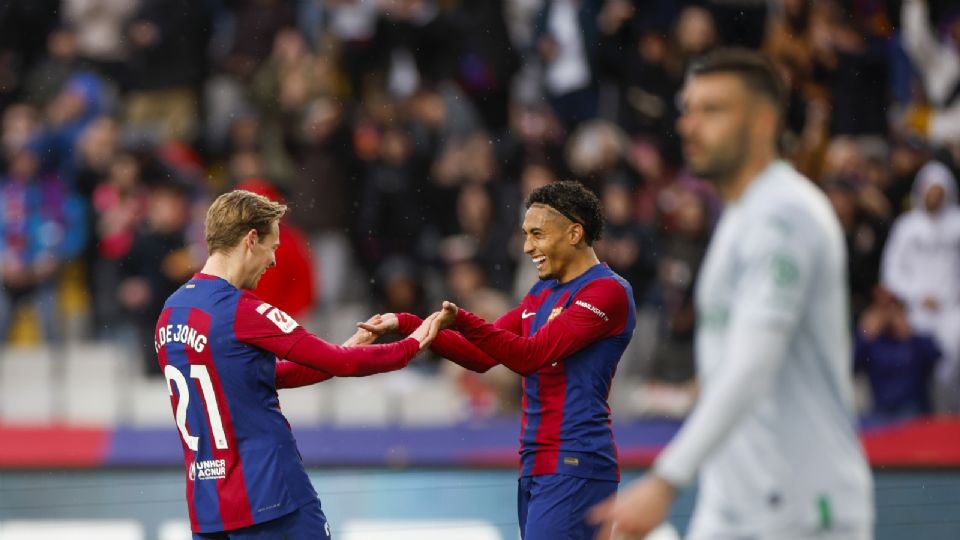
{"x": 234, "y": 213}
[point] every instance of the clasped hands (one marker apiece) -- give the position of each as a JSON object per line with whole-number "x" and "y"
{"x": 382, "y": 323}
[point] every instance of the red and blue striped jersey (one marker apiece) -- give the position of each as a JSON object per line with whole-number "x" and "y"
{"x": 218, "y": 347}
{"x": 566, "y": 339}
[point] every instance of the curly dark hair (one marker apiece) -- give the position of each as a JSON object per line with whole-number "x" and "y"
{"x": 576, "y": 202}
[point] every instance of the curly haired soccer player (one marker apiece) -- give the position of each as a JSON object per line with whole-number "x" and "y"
{"x": 566, "y": 338}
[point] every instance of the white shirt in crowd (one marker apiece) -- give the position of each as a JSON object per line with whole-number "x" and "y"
{"x": 569, "y": 70}
{"x": 938, "y": 63}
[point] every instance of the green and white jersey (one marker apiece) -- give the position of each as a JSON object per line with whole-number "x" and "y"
{"x": 773, "y": 433}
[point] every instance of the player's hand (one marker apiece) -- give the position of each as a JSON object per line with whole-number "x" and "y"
{"x": 448, "y": 315}
{"x": 380, "y": 324}
{"x": 427, "y": 331}
{"x": 361, "y": 337}
{"x": 634, "y": 512}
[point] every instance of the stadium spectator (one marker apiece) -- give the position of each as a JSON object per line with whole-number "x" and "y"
{"x": 82, "y": 100}
{"x": 685, "y": 229}
{"x": 399, "y": 287}
{"x": 120, "y": 203}
{"x": 22, "y": 124}
{"x": 920, "y": 265}
{"x": 156, "y": 264}
{"x": 566, "y": 40}
{"x": 285, "y": 88}
{"x": 865, "y": 236}
{"x": 852, "y": 55}
{"x": 487, "y": 60}
{"x": 353, "y": 25}
{"x": 164, "y": 68}
{"x": 24, "y": 26}
{"x": 42, "y": 226}
{"x": 255, "y": 25}
{"x": 740, "y": 22}
{"x": 391, "y": 201}
{"x": 898, "y": 362}
{"x": 629, "y": 247}
{"x": 100, "y": 27}
{"x": 486, "y": 222}
{"x": 596, "y": 153}
{"x": 46, "y": 79}
{"x": 421, "y": 45}
{"x": 787, "y": 37}
{"x": 643, "y": 50}
{"x": 326, "y": 185}
{"x": 935, "y": 54}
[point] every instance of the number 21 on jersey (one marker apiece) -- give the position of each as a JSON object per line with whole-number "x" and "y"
{"x": 202, "y": 376}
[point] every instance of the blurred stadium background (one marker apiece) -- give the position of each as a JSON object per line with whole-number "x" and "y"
{"x": 404, "y": 134}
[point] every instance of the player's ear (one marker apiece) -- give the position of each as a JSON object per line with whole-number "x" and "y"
{"x": 251, "y": 238}
{"x": 767, "y": 120}
{"x": 575, "y": 233}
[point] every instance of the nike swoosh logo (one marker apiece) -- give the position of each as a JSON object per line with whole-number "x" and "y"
{"x": 527, "y": 315}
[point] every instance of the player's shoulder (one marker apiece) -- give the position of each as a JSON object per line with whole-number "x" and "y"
{"x": 249, "y": 297}
{"x": 186, "y": 295}
{"x": 606, "y": 282}
{"x": 251, "y": 309}
{"x": 608, "y": 279}
{"x": 788, "y": 203}
{"x": 606, "y": 295}
{"x": 248, "y": 301}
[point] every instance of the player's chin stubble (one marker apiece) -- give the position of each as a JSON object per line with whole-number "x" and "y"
{"x": 717, "y": 166}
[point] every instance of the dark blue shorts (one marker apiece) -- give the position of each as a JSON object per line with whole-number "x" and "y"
{"x": 555, "y": 506}
{"x": 304, "y": 523}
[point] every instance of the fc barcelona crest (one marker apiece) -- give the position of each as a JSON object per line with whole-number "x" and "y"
{"x": 553, "y": 313}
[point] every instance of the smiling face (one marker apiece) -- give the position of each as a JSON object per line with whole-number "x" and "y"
{"x": 550, "y": 241}
{"x": 260, "y": 254}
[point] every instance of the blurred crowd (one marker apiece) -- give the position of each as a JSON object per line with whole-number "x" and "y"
{"x": 405, "y": 134}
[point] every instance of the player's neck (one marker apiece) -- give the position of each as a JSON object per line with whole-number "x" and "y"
{"x": 583, "y": 261}
{"x": 224, "y": 267}
{"x": 737, "y": 185}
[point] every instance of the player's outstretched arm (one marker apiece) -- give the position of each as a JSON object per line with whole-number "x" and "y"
{"x": 598, "y": 310}
{"x": 341, "y": 361}
{"x": 448, "y": 344}
{"x": 293, "y": 375}
{"x": 262, "y": 325}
